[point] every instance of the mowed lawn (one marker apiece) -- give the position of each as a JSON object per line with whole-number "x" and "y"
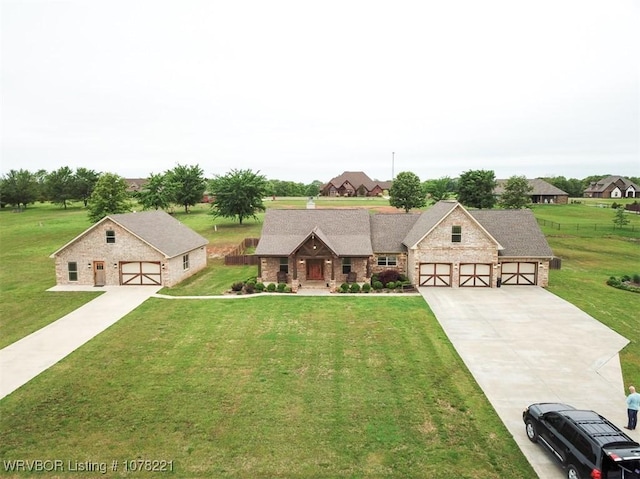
{"x": 277, "y": 386}
{"x": 267, "y": 387}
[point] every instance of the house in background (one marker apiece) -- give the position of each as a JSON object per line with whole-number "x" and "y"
{"x": 445, "y": 246}
{"x": 354, "y": 183}
{"x": 612, "y": 187}
{"x": 145, "y": 248}
{"x": 135, "y": 185}
{"x": 542, "y": 192}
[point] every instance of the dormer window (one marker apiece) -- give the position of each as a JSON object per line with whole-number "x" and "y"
{"x": 456, "y": 234}
{"x": 111, "y": 236}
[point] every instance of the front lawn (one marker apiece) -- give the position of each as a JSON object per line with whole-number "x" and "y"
{"x": 267, "y": 387}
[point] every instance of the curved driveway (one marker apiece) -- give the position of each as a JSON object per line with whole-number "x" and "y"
{"x": 524, "y": 345}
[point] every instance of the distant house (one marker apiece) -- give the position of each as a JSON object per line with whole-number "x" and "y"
{"x": 445, "y": 246}
{"x": 134, "y": 185}
{"x": 145, "y": 248}
{"x": 612, "y": 187}
{"x": 542, "y": 192}
{"x": 354, "y": 183}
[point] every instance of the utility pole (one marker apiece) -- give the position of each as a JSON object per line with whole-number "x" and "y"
{"x": 393, "y": 160}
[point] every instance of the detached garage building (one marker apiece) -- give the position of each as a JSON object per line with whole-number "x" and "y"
{"x": 145, "y": 248}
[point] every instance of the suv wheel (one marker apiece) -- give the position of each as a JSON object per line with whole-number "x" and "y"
{"x": 532, "y": 434}
{"x": 572, "y": 472}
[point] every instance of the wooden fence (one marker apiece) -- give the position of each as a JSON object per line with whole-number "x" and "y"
{"x": 237, "y": 256}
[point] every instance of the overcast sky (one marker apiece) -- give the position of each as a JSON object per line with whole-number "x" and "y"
{"x": 303, "y": 90}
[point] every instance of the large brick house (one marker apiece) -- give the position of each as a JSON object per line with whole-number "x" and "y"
{"x": 541, "y": 192}
{"x": 145, "y": 248}
{"x": 354, "y": 183}
{"x": 613, "y": 187}
{"x": 446, "y": 245}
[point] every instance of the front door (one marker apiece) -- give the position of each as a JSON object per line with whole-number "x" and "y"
{"x": 314, "y": 269}
{"x": 98, "y": 273}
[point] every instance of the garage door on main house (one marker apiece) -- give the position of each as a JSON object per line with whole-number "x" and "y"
{"x": 475, "y": 275}
{"x": 140, "y": 273}
{"x": 435, "y": 274}
{"x": 519, "y": 273}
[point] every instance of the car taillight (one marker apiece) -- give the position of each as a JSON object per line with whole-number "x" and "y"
{"x": 596, "y": 474}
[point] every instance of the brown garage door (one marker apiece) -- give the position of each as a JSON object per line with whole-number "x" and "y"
{"x": 140, "y": 273}
{"x": 435, "y": 274}
{"x": 519, "y": 273}
{"x": 475, "y": 275}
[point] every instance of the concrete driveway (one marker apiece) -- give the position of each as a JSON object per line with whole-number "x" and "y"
{"x": 26, "y": 358}
{"x": 524, "y": 345}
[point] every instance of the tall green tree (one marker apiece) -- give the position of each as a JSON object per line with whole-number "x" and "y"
{"x": 109, "y": 197}
{"x": 238, "y": 194}
{"x": 157, "y": 192}
{"x": 407, "y": 192}
{"x": 475, "y": 188}
{"x": 60, "y": 186}
{"x": 438, "y": 189}
{"x": 19, "y": 188}
{"x": 517, "y": 193}
{"x": 85, "y": 182}
{"x": 188, "y": 185}
{"x": 313, "y": 188}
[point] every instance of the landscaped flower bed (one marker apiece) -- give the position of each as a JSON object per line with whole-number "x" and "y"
{"x": 626, "y": 283}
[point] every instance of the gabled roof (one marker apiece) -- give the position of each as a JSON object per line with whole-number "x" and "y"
{"x": 603, "y": 184}
{"x": 158, "y": 229}
{"x": 357, "y": 179}
{"x": 433, "y": 217}
{"x": 540, "y": 188}
{"x": 346, "y": 232}
{"x": 516, "y": 230}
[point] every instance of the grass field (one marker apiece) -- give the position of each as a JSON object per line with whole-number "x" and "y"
{"x": 275, "y": 386}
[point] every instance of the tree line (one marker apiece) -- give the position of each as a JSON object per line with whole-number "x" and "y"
{"x": 240, "y": 193}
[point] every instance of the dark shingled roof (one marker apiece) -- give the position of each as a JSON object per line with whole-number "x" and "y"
{"x": 540, "y": 188}
{"x": 162, "y": 231}
{"x": 388, "y": 231}
{"x": 346, "y": 232}
{"x": 158, "y": 229}
{"x": 516, "y": 230}
{"x": 602, "y": 184}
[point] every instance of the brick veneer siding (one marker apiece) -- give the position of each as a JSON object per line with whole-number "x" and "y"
{"x": 401, "y": 260}
{"x": 437, "y": 247}
{"x": 93, "y": 247}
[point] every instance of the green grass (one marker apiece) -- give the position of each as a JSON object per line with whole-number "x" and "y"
{"x": 267, "y": 387}
{"x": 277, "y": 386}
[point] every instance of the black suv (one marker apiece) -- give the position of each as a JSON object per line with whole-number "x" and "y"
{"x": 585, "y": 443}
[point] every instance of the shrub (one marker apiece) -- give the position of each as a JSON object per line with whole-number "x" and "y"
{"x": 281, "y": 287}
{"x": 355, "y": 288}
{"x": 260, "y": 287}
{"x": 388, "y": 275}
{"x": 378, "y": 285}
{"x": 286, "y": 289}
{"x": 271, "y": 287}
{"x": 374, "y": 278}
{"x": 237, "y": 286}
{"x": 250, "y": 288}
{"x": 613, "y": 281}
{"x": 366, "y": 287}
{"x": 344, "y": 287}
{"x": 636, "y": 278}
{"x": 391, "y": 285}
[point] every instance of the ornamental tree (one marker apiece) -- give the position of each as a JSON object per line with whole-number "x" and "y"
{"x": 109, "y": 197}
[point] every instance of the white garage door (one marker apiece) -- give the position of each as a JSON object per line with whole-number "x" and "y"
{"x": 475, "y": 275}
{"x": 435, "y": 274}
{"x": 519, "y": 273}
{"x": 140, "y": 272}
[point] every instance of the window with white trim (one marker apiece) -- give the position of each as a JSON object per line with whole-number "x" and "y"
{"x": 346, "y": 265}
{"x": 72, "y": 268}
{"x": 456, "y": 234}
{"x": 387, "y": 261}
{"x": 185, "y": 261}
{"x": 111, "y": 236}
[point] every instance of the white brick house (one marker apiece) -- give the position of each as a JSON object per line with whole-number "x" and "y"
{"x": 145, "y": 248}
{"x": 446, "y": 246}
